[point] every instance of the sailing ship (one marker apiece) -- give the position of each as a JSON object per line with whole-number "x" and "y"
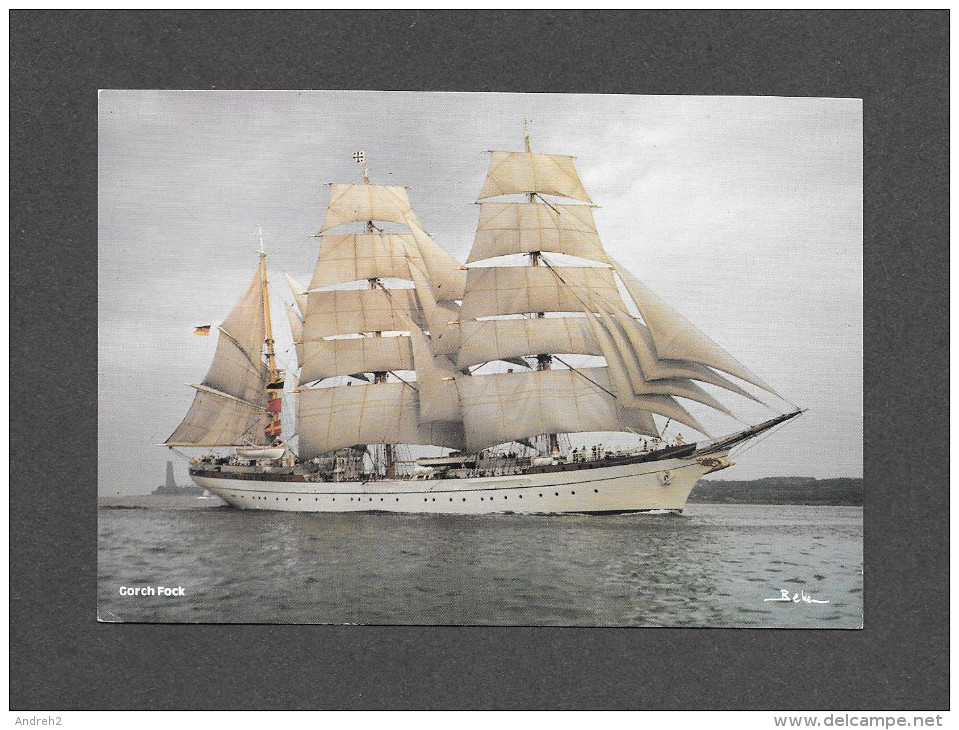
{"x": 425, "y": 385}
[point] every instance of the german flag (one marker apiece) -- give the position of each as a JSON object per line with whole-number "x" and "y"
{"x": 203, "y": 330}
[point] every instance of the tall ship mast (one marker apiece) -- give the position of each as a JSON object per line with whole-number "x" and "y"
{"x": 238, "y": 403}
{"x": 364, "y": 373}
{"x": 425, "y": 385}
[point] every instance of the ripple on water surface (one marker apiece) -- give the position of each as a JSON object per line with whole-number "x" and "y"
{"x": 713, "y": 566}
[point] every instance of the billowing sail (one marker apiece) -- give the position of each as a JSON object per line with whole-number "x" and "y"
{"x": 229, "y": 405}
{"x": 676, "y": 338}
{"x": 355, "y": 203}
{"x": 506, "y": 407}
{"x": 445, "y": 273}
{"x": 500, "y": 290}
{"x": 500, "y": 339}
{"x": 619, "y": 371}
{"x": 439, "y": 316}
{"x": 296, "y": 330}
{"x": 345, "y": 356}
{"x": 216, "y": 420}
{"x": 435, "y": 381}
{"x": 639, "y": 383}
{"x": 527, "y": 172}
{"x": 383, "y": 413}
{"x": 348, "y": 257}
{"x": 512, "y": 228}
{"x": 299, "y": 293}
{"x": 351, "y": 311}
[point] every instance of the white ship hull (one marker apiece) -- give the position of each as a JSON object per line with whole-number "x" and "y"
{"x": 639, "y": 487}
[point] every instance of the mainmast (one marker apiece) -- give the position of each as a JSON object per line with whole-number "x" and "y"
{"x": 544, "y": 361}
{"x": 379, "y": 376}
{"x": 274, "y": 385}
{"x": 361, "y": 327}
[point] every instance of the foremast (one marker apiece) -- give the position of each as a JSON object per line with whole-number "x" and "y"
{"x": 552, "y": 310}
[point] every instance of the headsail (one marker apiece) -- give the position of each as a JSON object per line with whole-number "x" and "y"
{"x": 676, "y": 338}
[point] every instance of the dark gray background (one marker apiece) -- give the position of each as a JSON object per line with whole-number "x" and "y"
{"x": 62, "y": 659}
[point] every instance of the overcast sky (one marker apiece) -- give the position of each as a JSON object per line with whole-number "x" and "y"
{"x": 743, "y": 213}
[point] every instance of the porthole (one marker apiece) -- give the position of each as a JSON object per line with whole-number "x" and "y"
{"x": 397, "y": 499}
{"x": 381, "y": 499}
{"x": 351, "y": 499}
{"x": 371, "y": 499}
{"x": 520, "y": 496}
{"x": 434, "y": 499}
{"x": 424, "y": 499}
{"x": 451, "y": 499}
{"x": 596, "y": 490}
{"x": 505, "y": 497}
{"x": 556, "y": 493}
{"x": 540, "y": 495}
{"x": 464, "y": 499}
{"x": 572, "y": 492}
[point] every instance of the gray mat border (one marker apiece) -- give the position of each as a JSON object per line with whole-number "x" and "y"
{"x": 60, "y": 658}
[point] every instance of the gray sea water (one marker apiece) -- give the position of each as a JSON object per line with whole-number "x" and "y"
{"x": 713, "y": 566}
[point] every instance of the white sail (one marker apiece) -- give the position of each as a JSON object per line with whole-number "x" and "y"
{"x": 299, "y": 293}
{"x": 511, "y": 228}
{"x": 499, "y": 339}
{"x": 676, "y": 338}
{"x": 445, "y": 337}
{"x": 346, "y": 356}
{"x": 639, "y": 383}
{"x": 235, "y": 383}
{"x": 528, "y": 172}
{"x": 296, "y": 330}
{"x": 351, "y": 203}
{"x": 509, "y": 406}
{"x": 446, "y": 275}
{"x": 623, "y": 385}
{"x": 215, "y": 420}
{"x": 435, "y": 382}
{"x": 351, "y": 311}
{"x": 384, "y": 413}
{"x": 346, "y": 257}
{"x": 501, "y": 290}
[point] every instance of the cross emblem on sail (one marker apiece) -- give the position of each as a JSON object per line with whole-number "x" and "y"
{"x": 359, "y": 156}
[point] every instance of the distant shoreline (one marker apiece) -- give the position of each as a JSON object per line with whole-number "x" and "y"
{"x": 838, "y": 492}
